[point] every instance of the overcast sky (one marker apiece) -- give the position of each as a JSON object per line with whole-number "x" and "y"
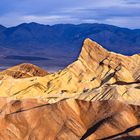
{"x": 124, "y": 13}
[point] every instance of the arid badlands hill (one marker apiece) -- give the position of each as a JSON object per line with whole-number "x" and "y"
{"x": 24, "y": 70}
{"x": 96, "y": 97}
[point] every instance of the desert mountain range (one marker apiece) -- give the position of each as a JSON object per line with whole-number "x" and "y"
{"x": 97, "y": 97}
{"x": 35, "y": 43}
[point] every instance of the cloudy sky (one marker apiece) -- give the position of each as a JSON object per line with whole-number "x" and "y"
{"x": 124, "y": 13}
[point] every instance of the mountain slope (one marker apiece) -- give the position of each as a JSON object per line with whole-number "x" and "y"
{"x": 95, "y": 97}
{"x": 66, "y": 39}
{"x": 2, "y": 28}
{"x": 95, "y": 71}
{"x": 68, "y": 120}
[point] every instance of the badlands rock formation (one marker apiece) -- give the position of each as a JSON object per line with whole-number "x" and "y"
{"x": 68, "y": 120}
{"x": 23, "y": 71}
{"x": 96, "y": 97}
{"x": 96, "y": 71}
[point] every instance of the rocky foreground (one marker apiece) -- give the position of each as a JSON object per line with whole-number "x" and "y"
{"x": 96, "y": 97}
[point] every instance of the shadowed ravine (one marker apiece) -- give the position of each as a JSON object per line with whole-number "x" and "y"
{"x": 93, "y": 128}
{"x": 124, "y": 132}
{"x": 114, "y": 137}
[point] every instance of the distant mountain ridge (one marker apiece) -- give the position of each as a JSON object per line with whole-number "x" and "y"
{"x": 62, "y": 41}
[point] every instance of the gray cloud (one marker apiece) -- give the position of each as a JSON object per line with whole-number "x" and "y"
{"x": 113, "y": 12}
{"x": 132, "y": 1}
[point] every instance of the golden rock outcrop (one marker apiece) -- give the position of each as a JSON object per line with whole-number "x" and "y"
{"x": 68, "y": 120}
{"x": 96, "y": 97}
{"x": 94, "y": 70}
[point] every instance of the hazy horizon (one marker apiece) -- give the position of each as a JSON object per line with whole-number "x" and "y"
{"x": 68, "y": 24}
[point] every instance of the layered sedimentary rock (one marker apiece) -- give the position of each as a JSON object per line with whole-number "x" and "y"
{"x": 24, "y": 70}
{"x": 68, "y": 120}
{"x": 95, "y": 71}
{"x": 96, "y": 97}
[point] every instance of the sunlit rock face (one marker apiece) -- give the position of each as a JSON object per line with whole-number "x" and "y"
{"x": 95, "y": 71}
{"x": 69, "y": 119}
{"x": 96, "y": 97}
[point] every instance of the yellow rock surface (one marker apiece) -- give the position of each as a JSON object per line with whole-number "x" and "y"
{"x": 94, "y": 69}
{"x": 96, "y": 97}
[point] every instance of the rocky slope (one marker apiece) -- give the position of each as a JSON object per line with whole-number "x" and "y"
{"x": 24, "y": 70}
{"x": 68, "y": 120}
{"x": 96, "y": 97}
{"x": 95, "y": 71}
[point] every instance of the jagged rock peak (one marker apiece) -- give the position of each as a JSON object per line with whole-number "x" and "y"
{"x": 93, "y": 56}
{"x": 92, "y": 50}
{"x": 87, "y": 41}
